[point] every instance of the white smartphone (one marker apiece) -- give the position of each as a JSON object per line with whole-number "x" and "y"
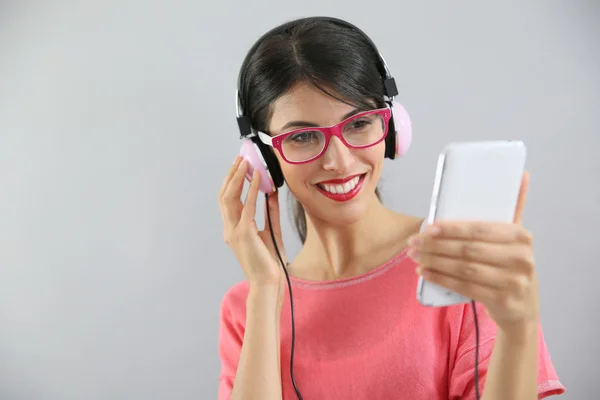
{"x": 475, "y": 181}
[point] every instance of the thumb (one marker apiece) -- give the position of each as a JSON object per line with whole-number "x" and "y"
{"x": 522, "y": 198}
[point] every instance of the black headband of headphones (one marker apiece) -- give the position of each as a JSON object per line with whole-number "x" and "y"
{"x": 389, "y": 82}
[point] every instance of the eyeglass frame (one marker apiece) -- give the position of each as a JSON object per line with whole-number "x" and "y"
{"x": 327, "y": 131}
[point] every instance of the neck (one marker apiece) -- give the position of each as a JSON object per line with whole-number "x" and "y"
{"x": 331, "y": 252}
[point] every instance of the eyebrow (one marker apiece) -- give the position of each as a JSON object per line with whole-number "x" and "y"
{"x": 307, "y": 124}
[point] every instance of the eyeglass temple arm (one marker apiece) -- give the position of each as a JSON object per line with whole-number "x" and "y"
{"x": 266, "y": 139}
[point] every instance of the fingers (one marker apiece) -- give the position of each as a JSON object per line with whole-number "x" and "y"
{"x": 493, "y": 232}
{"x": 468, "y": 271}
{"x": 234, "y": 167}
{"x": 249, "y": 211}
{"x": 487, "y": 285}
{"x": 236, "y": 184}
{"x": 230, "y": 200}
{"x": 480, "y": 293}
{"x": 495, "y": 254}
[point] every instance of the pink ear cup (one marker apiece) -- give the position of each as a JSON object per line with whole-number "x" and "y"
{"x": 250, "y": 152}
{"x": 403, "y": 129}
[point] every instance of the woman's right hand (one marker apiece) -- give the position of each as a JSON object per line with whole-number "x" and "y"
{"x": 253, "y": 248}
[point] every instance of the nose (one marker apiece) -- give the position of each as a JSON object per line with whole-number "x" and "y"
{"x": 337, "y": 157}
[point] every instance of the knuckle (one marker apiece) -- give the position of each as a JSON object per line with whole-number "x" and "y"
{"x": 228, "y": 196}
{"x": 468, "y": 270}
{"x": 469, "y": 250}
{"x": 524, "y": 259}
{"x": 223, "y": 200}
{"x": 479, "y": 230}
{"x": 512, "y": 283}
{"x": 519, "y": 283}
{"x": 526, "y": 236}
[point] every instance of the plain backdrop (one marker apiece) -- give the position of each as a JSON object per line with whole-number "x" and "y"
{"x": 117, "y": 128}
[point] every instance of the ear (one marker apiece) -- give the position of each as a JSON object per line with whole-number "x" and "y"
{"x": 522, "y": 198}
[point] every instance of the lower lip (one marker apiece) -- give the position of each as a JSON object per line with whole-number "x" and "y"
{"x": 344, "y": 196}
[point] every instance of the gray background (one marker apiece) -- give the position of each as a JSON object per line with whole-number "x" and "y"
{"x": 117, "y": 128}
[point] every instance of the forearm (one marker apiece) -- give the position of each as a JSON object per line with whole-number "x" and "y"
{"x": 258, "y": 373}
{"x": 512, "y": 372}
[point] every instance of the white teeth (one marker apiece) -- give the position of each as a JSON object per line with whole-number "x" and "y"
{"x": 341, "y": 189}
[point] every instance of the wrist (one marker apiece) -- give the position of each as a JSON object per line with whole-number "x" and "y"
{"x": 264, "y": 296}
{"x": 519, "y": 334}
{"x": 264, "y": 289}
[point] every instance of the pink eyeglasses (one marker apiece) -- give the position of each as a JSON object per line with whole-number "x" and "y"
{"x": 303, "y": 145}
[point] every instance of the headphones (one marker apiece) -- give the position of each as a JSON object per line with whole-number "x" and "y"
{"x": 262, "y": 158}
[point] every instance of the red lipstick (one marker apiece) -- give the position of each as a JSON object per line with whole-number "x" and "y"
{"x": 341, "y": 197}
{"x": 340, "y": 181}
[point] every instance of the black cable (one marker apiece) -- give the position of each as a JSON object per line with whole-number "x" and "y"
{"x": 476, "y": 350}
{"x": 477, "y": 396}
{"x": 291, "y": 299}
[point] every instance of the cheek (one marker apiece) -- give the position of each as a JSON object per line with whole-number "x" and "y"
{"x": 295, "y": 175}
{"x": 373, "y": 156}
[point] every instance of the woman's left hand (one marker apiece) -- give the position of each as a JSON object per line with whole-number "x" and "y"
{"x": 491, "y": 263}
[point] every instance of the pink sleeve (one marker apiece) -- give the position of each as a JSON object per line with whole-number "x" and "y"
{"x": 462, "y": 373}
{"x": 230, "y": 345}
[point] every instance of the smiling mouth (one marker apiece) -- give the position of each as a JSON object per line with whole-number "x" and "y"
{"x": 342, "y": 191}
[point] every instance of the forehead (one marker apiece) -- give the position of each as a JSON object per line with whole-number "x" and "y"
{"x": 305, "y": 102}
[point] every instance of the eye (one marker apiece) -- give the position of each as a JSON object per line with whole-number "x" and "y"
{"x": 360, "y": 124}
{"x": 302, "y": 137}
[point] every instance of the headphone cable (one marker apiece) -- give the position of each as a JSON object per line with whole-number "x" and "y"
{"x": 477, "y": 395}
{"x": 476, "y": 350}
{"x": 291, "y": 299}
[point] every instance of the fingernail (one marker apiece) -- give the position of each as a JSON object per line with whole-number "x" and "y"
{"x": 415, "y": 241}
{"x": 434, "y": 230}
{"x": 415, "y": 255}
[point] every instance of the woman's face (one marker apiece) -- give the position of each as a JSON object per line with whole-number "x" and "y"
{"x": 316, "y": 183}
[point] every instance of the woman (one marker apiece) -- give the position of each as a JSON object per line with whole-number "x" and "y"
{"x": 360, "y": 333}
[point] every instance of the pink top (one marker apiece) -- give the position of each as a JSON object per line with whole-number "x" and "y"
{"x": 367, "y": 337}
